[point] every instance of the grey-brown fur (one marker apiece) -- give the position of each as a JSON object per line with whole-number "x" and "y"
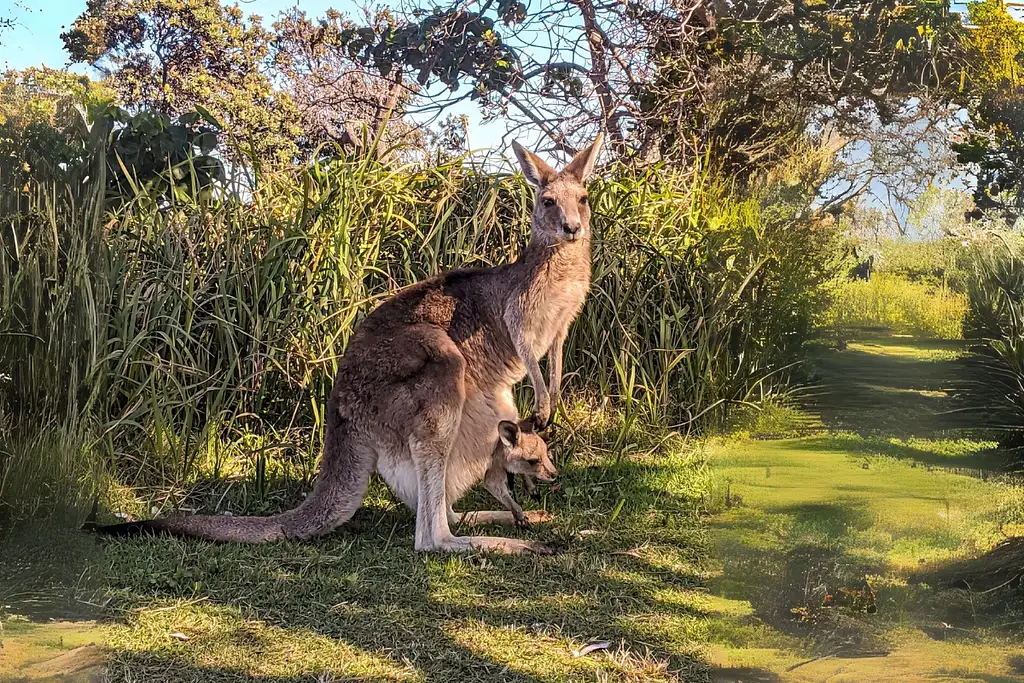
{"x": 428, "y": 375}
{"x": 519, "y": 451}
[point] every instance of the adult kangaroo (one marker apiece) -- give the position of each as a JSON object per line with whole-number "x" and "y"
{"x": 427, "y": 377}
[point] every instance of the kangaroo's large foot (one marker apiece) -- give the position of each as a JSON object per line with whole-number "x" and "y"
{"x": 490, "y": 544}
{"x": 480, "y": 517}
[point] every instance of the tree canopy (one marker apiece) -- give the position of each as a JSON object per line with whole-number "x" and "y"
{"x": 742, "y": 84}
{"x": 278, "y": 92}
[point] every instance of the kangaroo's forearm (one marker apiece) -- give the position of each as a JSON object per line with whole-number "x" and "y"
{"x": 541, "y": 398}
{"x": 555, "y": 367}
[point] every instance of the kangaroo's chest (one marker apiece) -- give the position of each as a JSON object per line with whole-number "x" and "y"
{"x": 552, "y": 309}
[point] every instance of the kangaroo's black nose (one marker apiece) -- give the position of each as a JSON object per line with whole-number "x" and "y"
{"x": 571, "y": 229}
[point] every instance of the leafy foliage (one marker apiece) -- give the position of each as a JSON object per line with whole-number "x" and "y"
{"x": 339, "y": 100}
{"x": 51, "y": 123}
{"x": 163, "y": 159}
{"x": 994, "y": 145}
{"x": 776, "y": 65}
{"x": 676, "y": 81}
{"x": 996, "y": 291}
{"x": 279, "y": 93}
{"x": 170, "y": 55}
{"x": 43, "y": 121}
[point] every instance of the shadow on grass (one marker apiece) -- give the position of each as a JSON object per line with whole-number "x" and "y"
{"x": 744, "y": 674}
{"x": 802, "y": 581}
{"x": 1000, "y": 570}
{"x": 49, "y": 572}
{"x": 897, "y": 395}
{"x": 366, "y": 599}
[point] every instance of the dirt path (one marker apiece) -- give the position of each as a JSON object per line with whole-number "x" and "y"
{"x": 830, "y": 542}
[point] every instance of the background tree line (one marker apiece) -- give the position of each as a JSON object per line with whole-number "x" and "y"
{"x": 895, "y": 93}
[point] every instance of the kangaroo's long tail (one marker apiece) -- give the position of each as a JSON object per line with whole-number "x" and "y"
{"x": 344, "y": 476}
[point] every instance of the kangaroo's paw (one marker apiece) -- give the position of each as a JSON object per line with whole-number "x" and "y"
{"x": 522, "y": 522}
{"x": 538, "y": 516}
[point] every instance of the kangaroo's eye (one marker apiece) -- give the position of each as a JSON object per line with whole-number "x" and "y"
{"x": 549, "y": 201}
{"x": 584, "y": 200}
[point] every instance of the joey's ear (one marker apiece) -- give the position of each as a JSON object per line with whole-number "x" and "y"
{"x": 508, "y": 432}
{"x": 526, "y": 426}
{"x": 534, "y": 168}
{"x": 582, "y": 165}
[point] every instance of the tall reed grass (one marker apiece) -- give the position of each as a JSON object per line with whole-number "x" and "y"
{"x": 151, "y": 339}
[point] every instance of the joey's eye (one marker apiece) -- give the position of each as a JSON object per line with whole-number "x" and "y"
{"x": 549, "y": 201}
{"x": 534, "y": 461}
{"x": 584, "y": 200}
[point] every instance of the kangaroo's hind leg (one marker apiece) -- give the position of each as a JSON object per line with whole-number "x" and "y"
{"x": 429, "y": 448}
{"x": 439, "y": 391}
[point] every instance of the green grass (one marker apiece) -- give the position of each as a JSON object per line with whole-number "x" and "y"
{"x": 361, "y": 604}
{"x": 828, "y": 543}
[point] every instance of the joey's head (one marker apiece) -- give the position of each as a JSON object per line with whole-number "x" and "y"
{"x": 525, "y": 451}
{"x": 561, "y": 209}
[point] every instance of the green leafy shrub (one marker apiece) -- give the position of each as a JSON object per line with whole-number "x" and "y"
{"x": 899, "y": 305}
{"x": 996, "y": 292}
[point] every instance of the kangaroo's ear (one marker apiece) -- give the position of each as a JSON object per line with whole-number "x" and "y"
{"x": 508, "y": 432}
{"x": 534, "y": 168}
{"x": 582, "y": 165}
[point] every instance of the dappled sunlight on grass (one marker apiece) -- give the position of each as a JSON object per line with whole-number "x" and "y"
{"x": 222, "y": 641}
{"x": 361, "y": 603}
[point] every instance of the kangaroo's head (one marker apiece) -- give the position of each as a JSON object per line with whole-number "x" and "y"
{"x": 525, "y": 452}
{"x": 561, "y": 210}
